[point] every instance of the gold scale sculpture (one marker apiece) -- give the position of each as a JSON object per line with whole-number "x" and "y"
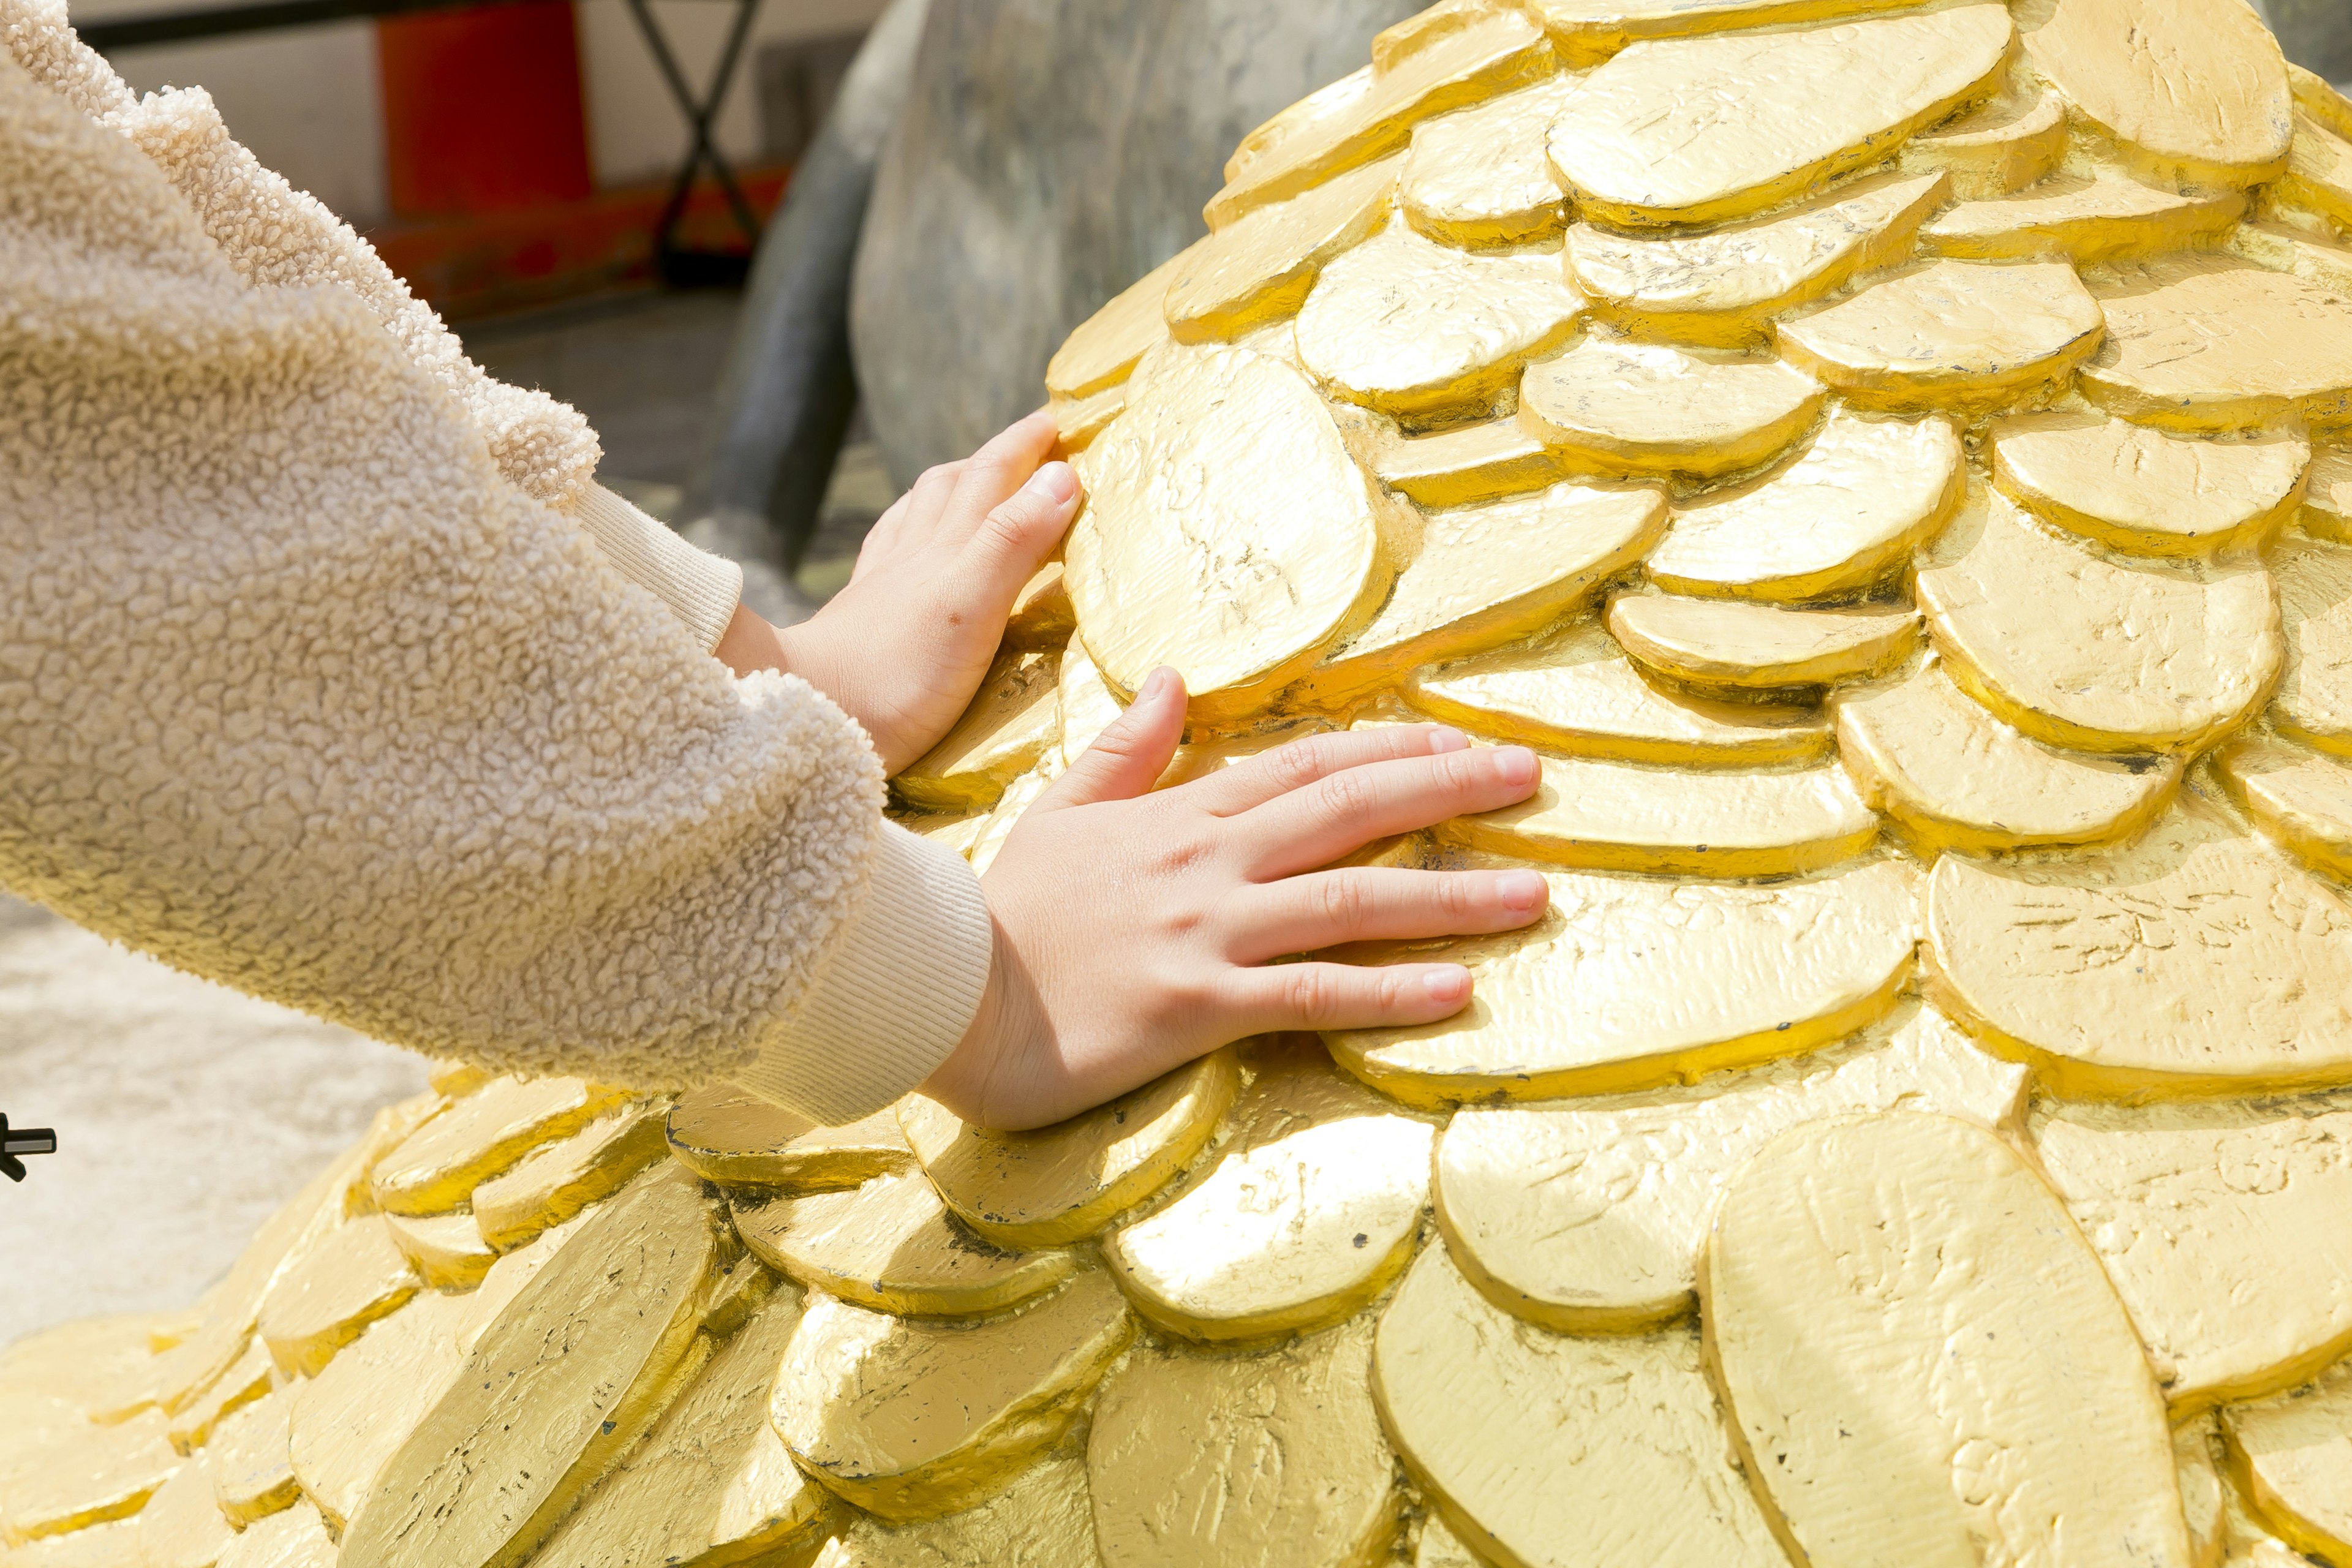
{"x": 1880, "y": 454}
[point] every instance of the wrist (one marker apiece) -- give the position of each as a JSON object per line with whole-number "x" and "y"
{"x": 968, "y": 1081}
{"x": 749, "y": 644}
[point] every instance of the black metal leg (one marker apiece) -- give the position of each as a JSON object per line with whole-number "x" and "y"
{"x": 23, "y": 1141}
{"x": 700, "y": 111}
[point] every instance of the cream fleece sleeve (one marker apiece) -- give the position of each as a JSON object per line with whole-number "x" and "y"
{"x": 311, "y": 680}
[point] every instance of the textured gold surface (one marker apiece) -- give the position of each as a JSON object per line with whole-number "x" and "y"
{"x": 109, "y": 1546}
{"x": 2205, "y": 1497}
{"x": 1630, "y": 982}
{"x": 2301, "y": 799}
{"x": 2314, "y": 701}
{"x": 107, "y": 1368}
{"x": 2220, "y": 1225}
{"x": 1010, "y": 724}
{"x": 1626, "y": 816}
{"x": 1420, "y": 330}
{"x": 1597, "y": 28}
{"x": 2205, "y": 342}
{"x": 1399, "y": 41}
{"x": 1695, "y": 130}
{"x": 1320, "y": 112}
{"x": 1441, "y": 1548}
{"x": 2090, "y": 653}
{"x": 1554, "y": 1452}
{"x": 352, "y": 1418}
{"x": 81, "y": 1475}
{"x": 248, "y": 1379}
{"x": 447, "y": 1249}
{"x": 2094, "y": 217}
{"x": 562, "y": 1179}
{"x": 891, "y": 1245}
{"x": 712, "y": 1484}
{"x": 1480, "y": 177}
{"x": 2292, "y": 1455}
{"x": 1042, "y": 617}
{"x": 2328, "y": 495}
{"x": 1949, "y": 334}
{"x": 1308, "y": 1212}
{"x": 911, "y": 1418}
{"x": 1226, "y": 532}
{"x": 1261, "y": 267}
{"x": 1956, "y": 777}
{"x": 561, "y": 1385}
{"x": 2197, "y": 90}
{"x": 1104, "y": 349}
{"x": 181, "y": 1526}
{"x": 348, "y": 1282}
{"x": 1724, "y": 285}
{"x": 2145, "y": 491}
{"x": 295, "y": 1538}
{"x": 229, "y": 1309}
{"x": 1061, "y": 1183}
{"x": 1966, "y": 1387}
{"x": 437, "y": 1167}
{"x": 2001, "y": 145}
{"x": 1493, "y": 54}
{"x": 2284, "y": 249}
{"x": 1077, "y": 422}
{"x": 1647, "y": 408}
{"x": 2150, "y": 971}
{"x": 1471, "y": 463}
{"x": 724, "y": 1133}
{"x": 1493, "y": 574}
{"x": 1041, "y": 1521}
{"x": 1712, "y": 642}
{"x": 1843, "y": 515}
{"x": 1087, "y": 706}
{"x": 1266, "y": 1461}
{"x": 2319, "y": 172}
{"x": 251, "y": 1464}
{"x": 1590, "y": 1217}
{"x": 1581, "y": 695}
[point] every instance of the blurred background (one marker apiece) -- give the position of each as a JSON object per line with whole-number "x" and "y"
{"x": 782, "y": 254}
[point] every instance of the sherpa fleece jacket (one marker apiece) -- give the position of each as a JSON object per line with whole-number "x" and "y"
{"x": 327, "y": 672}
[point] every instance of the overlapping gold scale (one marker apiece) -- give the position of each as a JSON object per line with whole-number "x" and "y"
{"x": 1890, "y": 460}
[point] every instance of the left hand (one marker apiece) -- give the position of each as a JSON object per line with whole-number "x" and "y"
{"x": 906, "y": 645}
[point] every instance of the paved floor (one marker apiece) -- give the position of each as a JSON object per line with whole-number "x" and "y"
{"x": 184, "y": 1112}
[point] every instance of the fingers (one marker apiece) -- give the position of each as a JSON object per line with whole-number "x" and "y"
{"x": 1341, "y": 812}
{"x": 1303, "y": 914}
{"x": 1128, "y": 757}
{"x": 987, "y": 478}
{"x": 1284, "y": 996}
{"x": 1277, "y": 773}
{"x": 912, "y": 520}
{"x": 1018, "y": 534}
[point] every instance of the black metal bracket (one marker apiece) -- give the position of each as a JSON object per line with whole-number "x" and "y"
{"x": 700, "y": 110}
{"x": 23, "y": 1141}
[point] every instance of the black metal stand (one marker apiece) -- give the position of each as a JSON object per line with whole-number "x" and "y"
{"x": 23, "y": 1141}
{"x": 681, "y": 267}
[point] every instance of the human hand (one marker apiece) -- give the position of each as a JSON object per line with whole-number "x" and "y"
{"x": 905, "y": 645}
{"x": 1134, "y": 930}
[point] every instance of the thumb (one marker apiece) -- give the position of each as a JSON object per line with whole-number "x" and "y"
{"x": 1131, "y": 754}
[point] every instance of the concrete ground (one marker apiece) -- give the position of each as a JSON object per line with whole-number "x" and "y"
{"x": 185, "y": 1112}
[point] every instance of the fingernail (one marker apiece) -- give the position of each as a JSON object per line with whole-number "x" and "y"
{"x": 1156, "y": 685}
{"x": 1055, "y": 481}
{"x": 1520, "y": 890}
{"x": 1444, "y": 738}
{"x": 1515, "y": 764}
{"x": 1449, "y": 982}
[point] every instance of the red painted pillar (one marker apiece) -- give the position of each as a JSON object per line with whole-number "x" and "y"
{"x": 482, "y": 110}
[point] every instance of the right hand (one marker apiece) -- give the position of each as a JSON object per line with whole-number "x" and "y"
{"x": 1135, "y": 930}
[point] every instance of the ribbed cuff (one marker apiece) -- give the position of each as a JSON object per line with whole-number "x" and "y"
{"x": 699, "y": 588}
{"x": 897, "y": 992}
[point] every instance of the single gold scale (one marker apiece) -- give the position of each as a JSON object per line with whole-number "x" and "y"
{"x": 1888, "y": 459}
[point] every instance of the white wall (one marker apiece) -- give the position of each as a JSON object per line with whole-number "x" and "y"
{"x": 309, "y": 101}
